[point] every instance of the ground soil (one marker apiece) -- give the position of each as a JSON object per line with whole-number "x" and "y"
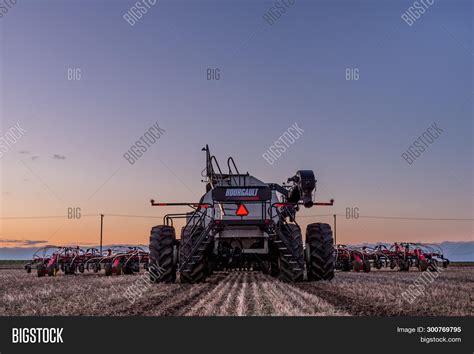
{"x": 378, "y": 293}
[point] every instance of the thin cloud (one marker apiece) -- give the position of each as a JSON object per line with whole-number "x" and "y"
{"x": 24, "y": 242}
{"x": 59, "y": 157}
{"x": 24, "y": 152}
{"x": 33, "y": 242}
{"x": 33, "y": 158}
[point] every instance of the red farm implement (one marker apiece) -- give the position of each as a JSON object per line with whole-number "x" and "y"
{"x": 50, "y": 260}
{"x": 118, "y": 260}
{"x": 401, "y": 256}
{"x": 352, "y": 258}
{"x": 125, "y": 260}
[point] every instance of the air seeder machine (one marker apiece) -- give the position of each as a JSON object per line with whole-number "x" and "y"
{"x": 242, "y": 222}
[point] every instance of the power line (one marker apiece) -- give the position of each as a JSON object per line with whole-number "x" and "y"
{"x": 409, "y": 218}
{"x": 393, "y": 217}
{"x": 299, "y": 216}
{"x": 42, "y": 217}
{"x": 313, "y": 216}
{"x": 89, "y": 215}
{"x": 134, "y": 216}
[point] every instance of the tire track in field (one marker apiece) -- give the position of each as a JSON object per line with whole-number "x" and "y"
{"x": 176, "y": 297}
{"x": 121, "y": 306}
{"x": 249, "y": 296}
{"x": 377, "y": 293}
{"x": 185, "y": 301}
{"x": 196, "y": 292}
{"x": 290, "y": 301}
{"x": 356, "y": 306}
{"x": 310, "y": 304}
{"x": 249, "y": 300}
{"x": 228, "y": 306}
{"x": 263, "y": 305}
{"x": 221, "y": 296}
{"x": 300, "y": 307}
{"x": 206, "y": 305}
{"x": 285, "y": 303}
{"x": 282, "y": 304}
{"x": 243, "y": 300}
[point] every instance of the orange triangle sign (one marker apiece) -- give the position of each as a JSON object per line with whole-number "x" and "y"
{"x": 242, "y": 210}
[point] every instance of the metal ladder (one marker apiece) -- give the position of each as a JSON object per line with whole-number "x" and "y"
{"x": 197, "y": 251}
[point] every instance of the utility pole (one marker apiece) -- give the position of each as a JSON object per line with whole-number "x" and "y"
{"x": 101, "y": 229}
{"x": 335, "y": 242}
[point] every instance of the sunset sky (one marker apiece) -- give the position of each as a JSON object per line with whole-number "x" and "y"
{"x": 271, "y": 76}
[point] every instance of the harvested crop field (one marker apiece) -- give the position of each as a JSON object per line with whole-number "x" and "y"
{"x": 378, "y": 293}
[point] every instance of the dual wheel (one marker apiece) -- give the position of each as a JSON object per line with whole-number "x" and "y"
{"x": 319, "y": 256}
{"x": 47, "y": 270}
{"x": 320, "y": 252}
{"x": 163, "y": 256}
{"x": 162, "y": 263}
{"x": 361, "y": 265}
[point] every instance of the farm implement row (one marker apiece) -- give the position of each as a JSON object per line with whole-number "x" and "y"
{"x": 50, "y": 260}
{"x": 400, "y": 256}
{"x": 240, "y": 222}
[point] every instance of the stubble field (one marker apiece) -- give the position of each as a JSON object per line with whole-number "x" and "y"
{"x": 378, "y": 293}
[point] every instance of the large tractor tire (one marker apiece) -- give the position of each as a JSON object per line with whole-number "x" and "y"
{"x": 404, "y": 265}
{"x": 433, "y": 266}
{"x": 393, "y": 264}
{"x": 290, "y": 272}
{"x": 423, "y": 265}
{"x": 366, "y": 266}
{"x": 346, "y": 265}
{"x": 108, "y": 269}
{"x": 119, "y": 268}
{"x": 195, "y": 270}
{"x": 41, "y": 270}
{"x": 69, "y": 269}
{"x": 320, "y": 262}
{"x": 129, "y": 268}
{"x": 162, "y": 263}
{"x": 378, "y": 263}
{"x": 357, "y": 265}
